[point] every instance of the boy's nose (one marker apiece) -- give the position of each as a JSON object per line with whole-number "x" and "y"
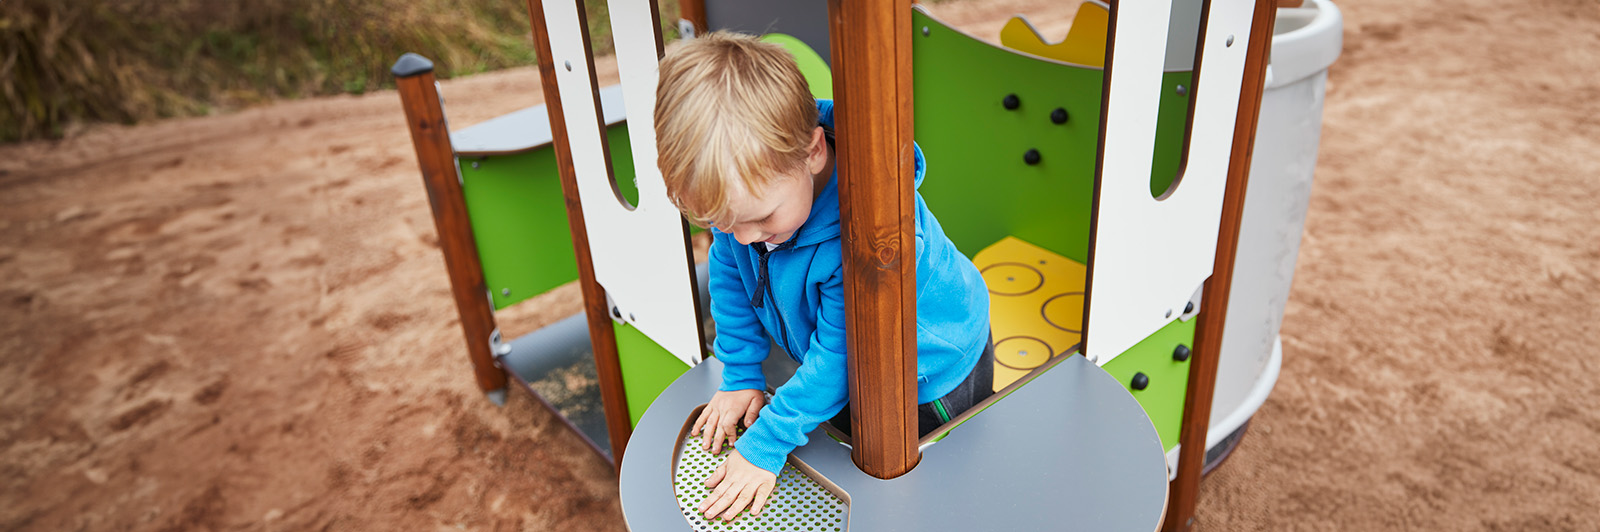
{"x": 746, "y": 236}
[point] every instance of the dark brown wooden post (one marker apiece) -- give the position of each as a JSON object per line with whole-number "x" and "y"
{"x": 871, "y": 43}
{"x": 431, "y": 137}
{"x": 693, "y": 11}
{"x": 1208, "y": 333}
{"x": 601, "y": 334}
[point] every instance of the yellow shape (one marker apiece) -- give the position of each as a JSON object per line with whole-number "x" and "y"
{"x": 1035, "y": 305}
{"x": 1085, "y": 43}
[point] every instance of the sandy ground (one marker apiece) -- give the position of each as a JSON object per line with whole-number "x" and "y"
{"x": 243, "y": 321}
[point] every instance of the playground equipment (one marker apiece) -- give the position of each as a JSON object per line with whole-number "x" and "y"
{"x": 1055, "y": 218}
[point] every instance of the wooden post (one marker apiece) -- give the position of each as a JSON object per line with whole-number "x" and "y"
{"x": 1208, "y": 332}
{"x": 601, "y": 334}
{"x": 431, "y": 137}
{"x": 871, "y": 43}
{"x": 693, "y": 11}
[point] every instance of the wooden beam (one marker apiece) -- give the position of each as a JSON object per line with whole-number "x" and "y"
{"x": 693, "y": 11}
{"x": 601, "y": 334}
{"x": 1214, "y": 309}
{"x": 431, "y": 138}
{"x": 871, "y": 44}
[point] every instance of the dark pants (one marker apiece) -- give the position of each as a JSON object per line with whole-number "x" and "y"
{"x": 978, "y": 385}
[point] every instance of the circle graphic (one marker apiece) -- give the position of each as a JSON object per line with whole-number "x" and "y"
{"x": 1064, "y": 309}
{"x": 1012, "y": 278}
{"x": 1022, "y": 352}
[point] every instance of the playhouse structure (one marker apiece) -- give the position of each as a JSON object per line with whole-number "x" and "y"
{"x": 1097, "y": 180}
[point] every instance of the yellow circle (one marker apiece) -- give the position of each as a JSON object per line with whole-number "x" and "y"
{"x": 1022, "y": 352}
{"x": 1065, "y": 311}
{"x": 1011, "y": 279}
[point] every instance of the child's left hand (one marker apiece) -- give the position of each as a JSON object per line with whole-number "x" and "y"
{"x": 738, "y": 484}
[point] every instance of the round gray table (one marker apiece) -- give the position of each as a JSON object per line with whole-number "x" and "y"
{"x": 1070, "y": 450}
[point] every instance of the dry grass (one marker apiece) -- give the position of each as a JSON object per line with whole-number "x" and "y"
{"x": 64, "y": 63}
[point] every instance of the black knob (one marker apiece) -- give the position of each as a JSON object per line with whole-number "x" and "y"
{"x": 1188, "y": 307}
{"x": 1011, "y": 102}
{"x": 1140, "y": 381}
{"x": 1058, "y": 116}
{"x": 1031, "y": 157}
{"x": 1181, "y": 353}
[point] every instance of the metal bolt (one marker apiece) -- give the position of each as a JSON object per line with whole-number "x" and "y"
{"x": 1169, "y": 313}
{"x": 569, "y": 63}
{"x": 631, "y": 318}
{"x": 504, "y": 291}
{"x": 1230, "y": 41}
{"x": 1058, "y": 116}
{"x": 1031, "y": 157}
{"x": 474, "y": 165}
{"x": 1011, "y": 101}
{"x": 616, "y": 313}
{"x": 1183, "y": 91}
{"x": 1022, "y": 353}
{"x": 1188, "y": 307}
{"x": 924, "y": 31}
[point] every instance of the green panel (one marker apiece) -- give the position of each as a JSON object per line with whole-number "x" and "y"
{"x": 1163, "y": 398}
{"x": 1172, "y": 119}
{"x": 647, "y": 369}
{"x": 977, "y": 183}
{"x": 519, "y": 217}
{"x": 815, "y": 70}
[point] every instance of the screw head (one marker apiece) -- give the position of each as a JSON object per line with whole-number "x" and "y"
{"x": 1188, "y": 307}
{"x": 1140, "y": 381}
{"x": 1031, "y": 157}
{"x": 569, "y": 66}
{"x": 505, "y": 291}
{"x": 1011, "y": 101}
{"x": 474, "y": 165}
{"x": 1058, "y": 116}
{"x": 1182, "y": 90}
{"x": 616, "y": 313}
{"x": 924, "y": 31}
{"x": 1229, "y": 42}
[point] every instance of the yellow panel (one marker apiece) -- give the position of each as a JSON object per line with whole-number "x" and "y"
{"x": 1085, "y": 43}
{"x": 1035, "y": 305}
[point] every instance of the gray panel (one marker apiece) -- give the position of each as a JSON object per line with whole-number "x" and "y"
{"x": 1071, "y": 450}
{"x": 525, "y": 130}
{"x": 806, "y": 20}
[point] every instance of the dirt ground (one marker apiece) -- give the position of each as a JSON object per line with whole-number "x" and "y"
{"x": 243, "y": 321}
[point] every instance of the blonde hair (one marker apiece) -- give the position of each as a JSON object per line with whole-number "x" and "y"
{"x": 729, "y": 105}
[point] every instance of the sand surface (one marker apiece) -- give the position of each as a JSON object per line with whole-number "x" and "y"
{"x": 243, "y": 321}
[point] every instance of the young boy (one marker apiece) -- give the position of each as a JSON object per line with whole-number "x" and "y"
{"x": 746, "y": 150}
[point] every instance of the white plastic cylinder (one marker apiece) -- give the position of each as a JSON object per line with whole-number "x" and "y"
{"x": 1306, "y": 41}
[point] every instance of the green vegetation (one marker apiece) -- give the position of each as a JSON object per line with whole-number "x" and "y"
{"x": 130, "y": 60}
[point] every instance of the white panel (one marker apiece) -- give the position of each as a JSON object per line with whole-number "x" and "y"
{"x": 639, "y": 255}
{"x": 1149, "y": 255}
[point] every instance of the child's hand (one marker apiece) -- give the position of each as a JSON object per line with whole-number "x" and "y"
{"x": 720, "y": 417}
{"x": 738, "y": 484}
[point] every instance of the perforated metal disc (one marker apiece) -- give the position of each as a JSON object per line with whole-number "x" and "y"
{"x": 797, "y": 502}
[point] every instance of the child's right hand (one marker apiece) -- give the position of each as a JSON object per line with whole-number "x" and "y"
{"x": 719, "y": 420}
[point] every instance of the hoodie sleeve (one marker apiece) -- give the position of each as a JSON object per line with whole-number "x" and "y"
{"x": 742, "y": 342}
{"x": 815, "y": 394}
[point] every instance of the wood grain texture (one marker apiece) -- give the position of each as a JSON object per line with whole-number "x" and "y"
{"x": 871, "y": 43}
{"x": 693, "y": 11}
{"x": 601, "y": 334}
{"x": 431, "y": 138}
{"x": 1208, "y": 333}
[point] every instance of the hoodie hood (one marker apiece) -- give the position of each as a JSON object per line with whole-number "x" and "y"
{"x": 822, "y": 224}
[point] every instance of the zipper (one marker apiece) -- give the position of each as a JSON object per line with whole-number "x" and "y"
{"x": 783, "y": 328}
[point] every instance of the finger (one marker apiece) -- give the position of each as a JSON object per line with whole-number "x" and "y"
{"x": 740, "y": 502}
{"x": 716, "y": 493}
{"x": 705, "y": 435}
{"x": 751, "y": 413}
{"x": 762, "y": 492}
{"x": 721, "y": 499}
{"x": 716, "y": 476}
{"x": 700, "y": 422}
{"x": 730, "y": 426}
{"x": 716, "y": 442}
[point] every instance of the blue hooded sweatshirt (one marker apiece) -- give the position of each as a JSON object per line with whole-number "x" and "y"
{"x": 794, "y": 294}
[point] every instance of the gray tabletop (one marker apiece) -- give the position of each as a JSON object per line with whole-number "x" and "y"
{"x": 526, "y": 129}
{"x": 1071, "y": 450}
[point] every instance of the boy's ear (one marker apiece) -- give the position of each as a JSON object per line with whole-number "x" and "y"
{"x": 817, "y": 153}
